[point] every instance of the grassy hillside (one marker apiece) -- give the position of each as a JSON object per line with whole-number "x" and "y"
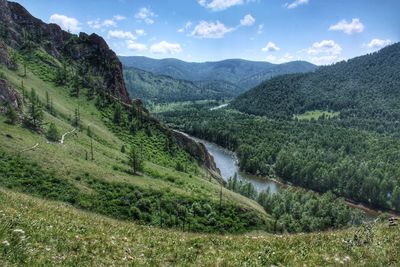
{"x": 34, "y": 232}
{"x": 171, "y": 185}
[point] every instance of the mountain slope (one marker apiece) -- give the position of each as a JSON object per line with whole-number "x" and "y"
{"x": 366, "y": 87}
{"x": 243, "y": 73}
{"x": 162, "y": 89}
{"x": 57, "y": 234}
{"x": 115, "y": 159}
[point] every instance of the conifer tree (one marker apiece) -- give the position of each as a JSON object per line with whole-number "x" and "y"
{"x": 11, "y": 114}
{"x": 52, "y": 133}
{"x": 35, "y": 111}
{"x": 135, "y": 161}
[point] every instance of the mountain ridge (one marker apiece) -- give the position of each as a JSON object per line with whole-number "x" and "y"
{"x": 236, "y": 71}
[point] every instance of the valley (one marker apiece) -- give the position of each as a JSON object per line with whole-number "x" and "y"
{"x": 112, "y": 160}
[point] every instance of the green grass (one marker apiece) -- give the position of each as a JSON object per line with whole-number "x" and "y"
{"x": 109, "y": 168}
{"x": 316, "y": 114}
{"x": 174, "y": 106}
{"x": 56, "y": 234}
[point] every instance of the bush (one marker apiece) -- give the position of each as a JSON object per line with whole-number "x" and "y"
{"x": 52, "y": 133}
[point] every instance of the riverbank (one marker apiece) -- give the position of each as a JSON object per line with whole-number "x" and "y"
{"x": 226, "y": 161}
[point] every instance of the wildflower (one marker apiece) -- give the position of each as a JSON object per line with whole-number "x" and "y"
{"x": 5, "y": 243}
{"x": 19, "y": 231}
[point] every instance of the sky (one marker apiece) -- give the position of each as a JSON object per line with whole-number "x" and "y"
{"x": 277, "y": 31}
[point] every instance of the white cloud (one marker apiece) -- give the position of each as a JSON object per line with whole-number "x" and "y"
{"x": 324, "y": 52}
{"x": 270, "y": 47}
{"x": 187, "y": 26}
{"x": 355, "y": 26}
{"x": 260, "y": 29}
{"x": 247, "y": 20}
{"x": 140, "y": 32}
{"x": 164, "y": 47}
{"x": 98, "y": 24}
{"x": 217, "y": 5}
{"x": 325, "y": 47}
{"x": 134, "y": 46}
{"x": 296, "y": 3}
{"x": 146, "y": 15}
{"x": 210, "y": 30}
{"x": 118, "y": 34}
{"x": 378, "y": 43}
{"x": 66, "y": 23}
{"x": 119, "y": 17}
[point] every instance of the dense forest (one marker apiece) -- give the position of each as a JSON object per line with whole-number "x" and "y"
{"x": 366, "y": 87}
{"x": 296, "y": 210}
{"x": 153, "y": 88}
{"x": 356, "y": 164}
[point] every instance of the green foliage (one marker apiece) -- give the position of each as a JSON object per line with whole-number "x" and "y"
{"x": 35, "y": 111}
{"x": 135, "y": 160}
{"x": 11, "y": 114}
{"x": 362, "y": 88}
{"x": 165, "y": 89}
{"x": 316, "y": 115}
{"x": 86, "y": 239}
{"x": 126, "y": 201}
{"x": 296, "y": 210}
{"x": 117, "y": 116}
{"x": 317, "y": 155}
{"x": 52, "y": 133}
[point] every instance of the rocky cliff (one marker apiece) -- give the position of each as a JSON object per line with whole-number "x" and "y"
{"x": 89, "y": 53}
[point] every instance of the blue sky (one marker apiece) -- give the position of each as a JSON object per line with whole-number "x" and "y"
{"x": 319, "y": 31}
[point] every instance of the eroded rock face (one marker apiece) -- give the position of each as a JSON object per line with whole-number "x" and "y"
{"x": 198, "y": 151}
{"x": 9, "y": 95}
{"x": 88, "y": 52}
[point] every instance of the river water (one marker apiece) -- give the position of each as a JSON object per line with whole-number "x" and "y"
{"x": 226, "y": 162}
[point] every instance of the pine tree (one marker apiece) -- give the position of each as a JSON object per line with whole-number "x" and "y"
{"x": 47, "y": 101}
{"x": 89, "y": 132}
{"x": 11, "y": 114}
{"x": 23, "y": 91}
{"x": 35, "y": 111}
{"x": 117, "y": 114}
{"x": 135, "y": 161}
{"x": 91, "y": 148}
{"x": 52, "y": 133}
{"x": 77, "y": 118}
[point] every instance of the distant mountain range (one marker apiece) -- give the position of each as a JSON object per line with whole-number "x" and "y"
{"x": 228, "y": 77}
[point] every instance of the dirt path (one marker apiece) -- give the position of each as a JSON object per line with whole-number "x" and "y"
{"x": 31, "y": 148}
{"x": 64, "y": 135}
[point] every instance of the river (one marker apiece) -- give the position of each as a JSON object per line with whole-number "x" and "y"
{"x": 227, "y": 163}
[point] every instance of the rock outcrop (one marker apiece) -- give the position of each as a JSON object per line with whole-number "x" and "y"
{"x": 89, "y": 53}
{"x": 9, "y": 95}
{"x": 199, "y": 152}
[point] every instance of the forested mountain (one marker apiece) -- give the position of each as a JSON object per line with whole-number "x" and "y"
{"x": 163, "y": 89}
{"x": 366, "y": 87}
{"x": 336, "y": 129}
{"x": 243, "y": 73}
